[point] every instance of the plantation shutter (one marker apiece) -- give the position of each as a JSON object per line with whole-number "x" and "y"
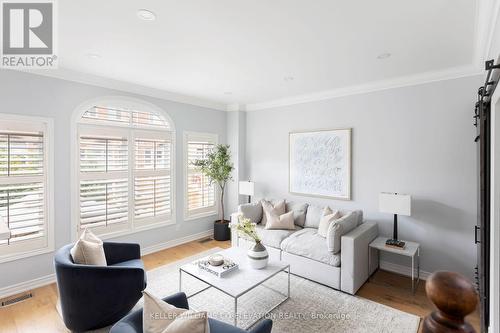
{"x": 200, "y": 193}
{"x": 125, "y": 170}
{"x": 104, "y": 186}
{"x": 152, "y": 180}
{"x": 22, "y": 185}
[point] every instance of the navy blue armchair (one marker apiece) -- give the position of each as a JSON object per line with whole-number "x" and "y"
{"x": 132, "y": 323}
{"x": 98, "y": 296}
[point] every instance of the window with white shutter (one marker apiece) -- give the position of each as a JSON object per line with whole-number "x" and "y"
{"x": 125, "y": 170}
{"x": 200, "y": 194}
{"x": 24, "y": 199}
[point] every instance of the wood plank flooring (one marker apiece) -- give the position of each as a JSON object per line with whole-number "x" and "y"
{"x": 39, "y": 315}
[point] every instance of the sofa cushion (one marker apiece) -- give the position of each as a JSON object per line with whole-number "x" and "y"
{"x": 274, "y": 238}
{"x": 339, "y": 228}
{"x": 325, "y": 222}
{"x": 252, "y": 211}
{"x": 314, "y": 215}
{"x": 282, "y": 222}
{"x": 307, "y": 243}
{"x": 299, "y": 212}
{"x": 272, "y": 207}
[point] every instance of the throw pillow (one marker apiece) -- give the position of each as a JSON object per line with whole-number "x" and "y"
{"x": 88, "y": 250}
{"x": 282, "y": 222}
{"x": 252, "y": 211}
{"x": 161, "y": 317}
{"x": 325, "y": 222}
{"x": 314, "y": 215}
{"x": 299, "y": 212}
{"x": 339, "y": 228}
{"x": 277, "y": 208}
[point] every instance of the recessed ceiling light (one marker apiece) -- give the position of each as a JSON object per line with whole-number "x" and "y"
{"x": 383, "y": 55}
{"x": 146, "y": 15}
{"x": 228, "y": 93}
{"x": 288, "y": 78}
{"x": 93, "y": 55}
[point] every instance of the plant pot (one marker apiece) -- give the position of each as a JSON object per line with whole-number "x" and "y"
{"x": 258, "y": 256}
{"x": 222, "y": 231}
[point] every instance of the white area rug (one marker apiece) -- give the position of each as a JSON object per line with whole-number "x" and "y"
{"x": 311, "y": 308}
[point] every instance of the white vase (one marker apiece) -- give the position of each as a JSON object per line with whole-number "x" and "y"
{"x": 258, "y": 256}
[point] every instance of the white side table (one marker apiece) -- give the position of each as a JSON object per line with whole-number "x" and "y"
{"x": 411, "y": 249}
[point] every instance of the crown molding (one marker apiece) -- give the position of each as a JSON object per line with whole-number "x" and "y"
{"x": 103, "y": 82}
{"x": 233, "y": 107}
{"x": 405, "y": 81}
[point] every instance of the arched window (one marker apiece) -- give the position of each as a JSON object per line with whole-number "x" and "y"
{"x": 125, "y": 165}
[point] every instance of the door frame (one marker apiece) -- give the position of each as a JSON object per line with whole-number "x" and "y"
{"x": 495, "y": 215}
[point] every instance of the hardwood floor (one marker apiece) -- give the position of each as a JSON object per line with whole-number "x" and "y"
{"x": 38, "y": 314}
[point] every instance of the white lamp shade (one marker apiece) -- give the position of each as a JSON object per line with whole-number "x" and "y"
{"x": 247, "y": 188}
{"x": 395, "y": 203}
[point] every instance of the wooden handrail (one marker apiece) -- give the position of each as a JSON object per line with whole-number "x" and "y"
{"x": 454, "y": 297}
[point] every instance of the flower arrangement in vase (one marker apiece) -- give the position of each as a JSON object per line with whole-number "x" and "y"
{"x": 257, "y": 254}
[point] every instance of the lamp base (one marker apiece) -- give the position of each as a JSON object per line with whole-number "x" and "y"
{"x": 395, "y": 243}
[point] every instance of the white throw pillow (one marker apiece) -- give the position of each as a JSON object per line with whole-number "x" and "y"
{"x": 325, "y": 222}
{"x": 88, "y": 250}
{"x": 278, "y": 208}
{"x": 339, "y": 228}
{"x": 282, "y": 222}
{"x": 161, "y": 317}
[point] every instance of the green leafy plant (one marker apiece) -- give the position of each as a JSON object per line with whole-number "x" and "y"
{"x": 217, "y": 167}
{"x": 246, "y": 228}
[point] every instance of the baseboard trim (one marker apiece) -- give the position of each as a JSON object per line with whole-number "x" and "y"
{"x": 51, "y": 278}
{"x": 176, "y": 242}
{"x": 402, "y": 270}
{"x": 27, "y": 285}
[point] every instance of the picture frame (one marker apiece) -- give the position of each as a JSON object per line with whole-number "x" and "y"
{"x": 320, "y": 163}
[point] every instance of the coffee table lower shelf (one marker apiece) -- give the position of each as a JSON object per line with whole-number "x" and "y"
{"x": 285, "y": 269}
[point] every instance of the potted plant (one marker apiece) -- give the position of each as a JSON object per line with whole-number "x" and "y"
{"x": 257, "y": 254}
{"x": 217, "y": 167}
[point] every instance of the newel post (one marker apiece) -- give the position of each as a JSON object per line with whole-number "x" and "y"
{"x": 454, "y": 297}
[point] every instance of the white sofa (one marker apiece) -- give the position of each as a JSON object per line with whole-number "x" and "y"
{"x": 307, "y": 252}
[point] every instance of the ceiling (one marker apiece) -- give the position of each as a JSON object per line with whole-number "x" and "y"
{"x": 256, "y": 51}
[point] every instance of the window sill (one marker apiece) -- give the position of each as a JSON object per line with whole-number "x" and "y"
{"x": 194, "y": 217}
{"x": 14, "y": 257}
{"x": 137, "y": 229}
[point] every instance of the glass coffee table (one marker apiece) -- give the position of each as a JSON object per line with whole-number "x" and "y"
{"x": 239, "y": 282}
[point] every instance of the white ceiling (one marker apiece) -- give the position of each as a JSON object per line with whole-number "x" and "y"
{"x": 207, "y": 48}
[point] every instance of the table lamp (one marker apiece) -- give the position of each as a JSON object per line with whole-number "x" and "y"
{"x": 397, "y": 204}
{"x": 247, "y": 188}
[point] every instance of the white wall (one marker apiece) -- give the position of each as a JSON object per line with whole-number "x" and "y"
{"x": 417, "y": 140}
{"x": 236, "y": 138}
{"x": 28, "y": 94}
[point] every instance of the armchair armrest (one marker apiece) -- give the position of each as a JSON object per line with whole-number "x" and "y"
{"x": 179, "y": 300}
{"x": 354, "y": 256}
{"x": 119, "y": 252}
{"x": 264, "y": 326}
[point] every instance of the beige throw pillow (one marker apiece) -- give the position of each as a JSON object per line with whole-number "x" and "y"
{"x": 339, "y": 228}
{"x": 277, "y": 209}
{"x": 161, "y": 317}
{"x": 88, "y": 250}
{"x": 282, "y": 222}
{"x": 325, "y": 222}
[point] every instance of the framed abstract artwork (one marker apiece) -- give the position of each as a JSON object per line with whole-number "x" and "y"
{"x": 320, "y": 163}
